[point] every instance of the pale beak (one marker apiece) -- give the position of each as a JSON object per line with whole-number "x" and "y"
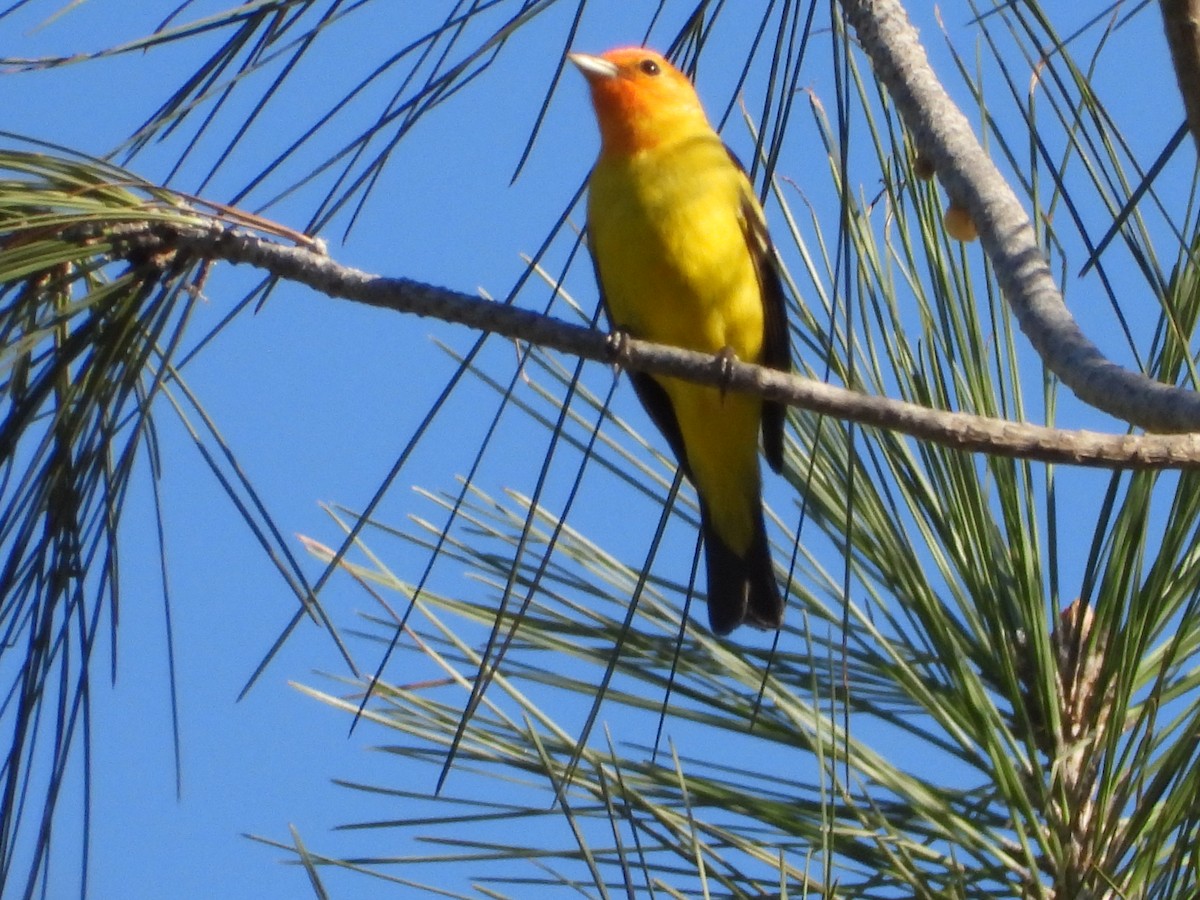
{"x": 593, "y": 66}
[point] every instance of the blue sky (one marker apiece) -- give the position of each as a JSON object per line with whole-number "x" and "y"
{"x": 317, "y": 397}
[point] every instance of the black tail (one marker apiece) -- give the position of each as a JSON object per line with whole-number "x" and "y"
{"x": 740, "y": 588}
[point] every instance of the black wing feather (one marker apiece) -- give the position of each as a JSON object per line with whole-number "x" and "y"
{"x": 777, "y": 346}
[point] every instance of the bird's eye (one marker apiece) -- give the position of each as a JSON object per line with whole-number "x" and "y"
{"x": 650, "y": 67}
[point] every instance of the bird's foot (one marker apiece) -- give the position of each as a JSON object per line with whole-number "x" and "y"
{"x": 618, "y": 349}
{"x": 724, "y": 362}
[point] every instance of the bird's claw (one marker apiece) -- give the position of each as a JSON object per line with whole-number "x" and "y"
{"x": 618, "y": 348}
{"x": 724, "y": 362}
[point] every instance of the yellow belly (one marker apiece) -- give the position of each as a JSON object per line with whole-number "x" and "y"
{"x": 666, "y": 230}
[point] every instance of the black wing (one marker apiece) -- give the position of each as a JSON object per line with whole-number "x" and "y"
{"x": 777, "y": 347}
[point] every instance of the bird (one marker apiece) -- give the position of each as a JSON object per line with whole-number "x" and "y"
{"x": 682, "y": 256}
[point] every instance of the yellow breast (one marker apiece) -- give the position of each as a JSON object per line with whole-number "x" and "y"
{"x": 667, "y": 230}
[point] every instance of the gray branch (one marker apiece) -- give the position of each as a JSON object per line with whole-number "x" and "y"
{"x": 943, "y": 134}
{"x": 1181, "y": 22}
{"x": 958, "y": 430}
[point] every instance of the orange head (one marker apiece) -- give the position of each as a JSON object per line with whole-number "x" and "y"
{"x": 640, "y": 99}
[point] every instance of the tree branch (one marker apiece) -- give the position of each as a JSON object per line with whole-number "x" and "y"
{"x": 943, "y": 135}
{"x": 1181, "y": 22}
{"x": 957, "y": 430}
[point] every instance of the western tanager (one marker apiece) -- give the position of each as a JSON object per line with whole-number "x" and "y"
{"x": 682, "y": 257}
